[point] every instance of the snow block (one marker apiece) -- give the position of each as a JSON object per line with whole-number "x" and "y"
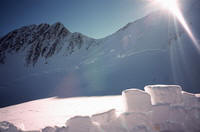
{"x": 115, "y": 126}
{"x": 136, "y": 100}
{"x": 8, "y": 127}
{"x": 168, "y": 126}
{"x": 164, "y": 94}
{"x": 80, "y": 124}
{"x": 188, "y": 118}
{"x": 166, "y": 118}
{"x": 61, "y": 129}
{"x": 133, "y": 119}
{"x": 190, "y": 100}
{"x": 140, "y": 129}
{"x": 198, "y": 99}
{"x": 160, "y": 114}
{"x": 197, "y": 95}
{"x": 108, "y": 121}
{"x": 104, "y": 118}
{"x": 192, "y": 120}
{"x": 177, "y": 114}
{"x": 49, "y": 129}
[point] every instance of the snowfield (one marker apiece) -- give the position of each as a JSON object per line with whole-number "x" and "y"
{"x": 160, "y": 108}
{"x": 154, "y": 49}
{"x": 53, "y": 111}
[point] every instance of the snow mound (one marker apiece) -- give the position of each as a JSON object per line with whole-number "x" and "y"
{"x": 160, "y": 108}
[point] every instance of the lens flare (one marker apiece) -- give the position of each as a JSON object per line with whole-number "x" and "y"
{"x": 172, "y": 6}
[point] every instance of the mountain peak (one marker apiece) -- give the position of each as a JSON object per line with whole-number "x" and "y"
{"x": 59, "y": 26}
{"x": 41, "y": 40}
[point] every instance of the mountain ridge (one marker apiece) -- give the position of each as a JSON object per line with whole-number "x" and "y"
{"x": 53, "y": 34}
{"x": 43, "y": 40}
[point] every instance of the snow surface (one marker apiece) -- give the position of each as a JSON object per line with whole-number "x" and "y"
{"x": 109, "y": 113}
{"x": 54, "y": 111}
{"x": 152, "y": 50}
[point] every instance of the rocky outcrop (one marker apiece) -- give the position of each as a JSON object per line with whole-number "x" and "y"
{"x": 42, "y": 41}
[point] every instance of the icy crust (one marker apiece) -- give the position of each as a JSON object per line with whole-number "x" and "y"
{"x": 160, "y": 108}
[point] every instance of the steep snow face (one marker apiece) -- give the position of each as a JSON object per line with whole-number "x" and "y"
{"x": 152, "y": 50}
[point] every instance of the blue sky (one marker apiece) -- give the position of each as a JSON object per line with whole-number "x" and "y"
{"x": 95, "y": 18}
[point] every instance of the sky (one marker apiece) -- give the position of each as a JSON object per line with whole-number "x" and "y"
{"x": 94, "y": 18}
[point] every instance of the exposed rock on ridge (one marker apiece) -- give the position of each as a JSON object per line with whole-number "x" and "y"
{"x": 41, "y": 40}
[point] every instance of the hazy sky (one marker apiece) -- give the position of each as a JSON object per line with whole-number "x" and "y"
{"x": 95, "y": 18}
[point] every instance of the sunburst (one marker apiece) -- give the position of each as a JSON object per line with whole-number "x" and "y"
{"x": 172, "y": 6}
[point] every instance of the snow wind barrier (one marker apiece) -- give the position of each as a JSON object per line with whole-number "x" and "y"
{"x": 160, "y": 108}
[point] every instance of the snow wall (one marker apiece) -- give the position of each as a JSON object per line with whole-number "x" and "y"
{"x": 160, "y": 108}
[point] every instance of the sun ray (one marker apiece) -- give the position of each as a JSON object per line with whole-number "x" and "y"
{"x": 172, "y": 6}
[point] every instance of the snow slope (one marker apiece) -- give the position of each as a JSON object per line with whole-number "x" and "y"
{"x": 152, "y": 50}
{"x": 160, "y": 108}
{"x": 35, "y": 115}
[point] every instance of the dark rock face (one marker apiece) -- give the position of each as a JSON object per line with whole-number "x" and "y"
{"x": 42, "y": 40}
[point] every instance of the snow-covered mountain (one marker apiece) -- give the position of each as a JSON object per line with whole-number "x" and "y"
{"x": 42, "y": 40}
{"x": 48, "y": 60}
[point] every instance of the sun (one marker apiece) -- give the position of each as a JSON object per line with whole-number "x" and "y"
{"x": 170, "y": 5}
